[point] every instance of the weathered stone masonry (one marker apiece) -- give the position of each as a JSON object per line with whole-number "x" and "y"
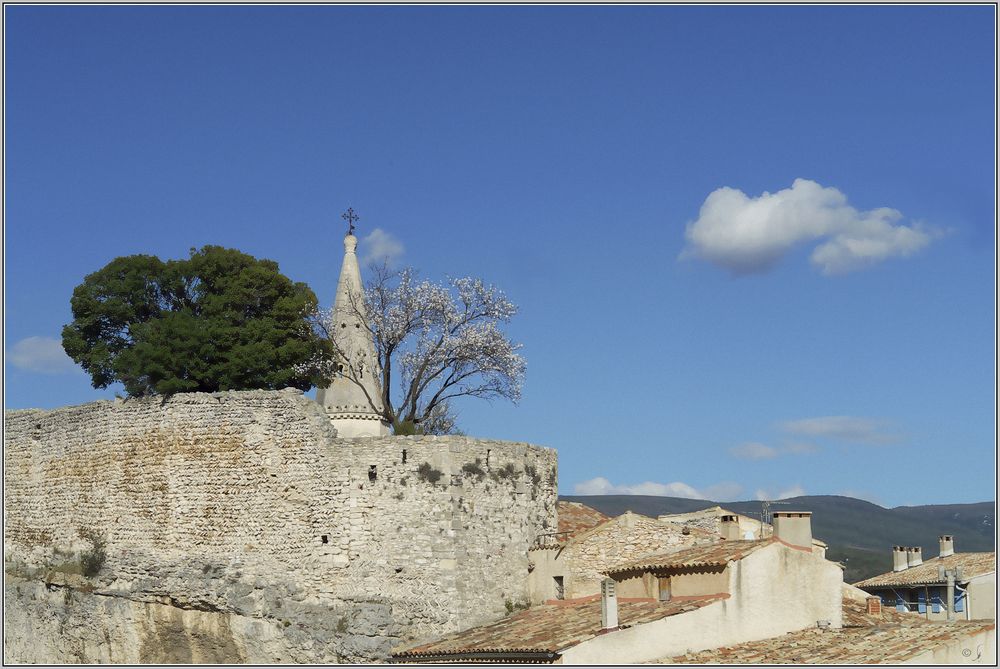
{"x": 245, "y": 505}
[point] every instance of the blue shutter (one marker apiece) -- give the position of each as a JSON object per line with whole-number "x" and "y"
{"x": 936, "y": 601}
{"x": 921, "y": 602}
{"x": 959, "y": 600}
{"x": 900, "y": 604}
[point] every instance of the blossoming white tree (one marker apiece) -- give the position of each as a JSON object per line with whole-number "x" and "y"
{"x": 434, "y": 343}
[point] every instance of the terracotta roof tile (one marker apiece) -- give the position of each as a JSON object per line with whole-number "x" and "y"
{"x": 548, "y": 628}
{"x": 717, "y": 554}
{"x": 575, "y": 517}
{"x": 972, "y": 564}
{"x": 856, "y": 615}
{"x": 881, "y": 644}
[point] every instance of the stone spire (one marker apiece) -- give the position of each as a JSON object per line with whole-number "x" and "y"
{"x": 346, "y": 399}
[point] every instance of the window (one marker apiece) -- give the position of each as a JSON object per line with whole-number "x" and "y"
{"x": 404, "y": 456}
{"x": 372, "y": 472}
{"x": 325, "y": 539}
{"x": 560, "y": 591}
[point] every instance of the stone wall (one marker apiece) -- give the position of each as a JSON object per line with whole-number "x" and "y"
{"x": 246, "y": 505}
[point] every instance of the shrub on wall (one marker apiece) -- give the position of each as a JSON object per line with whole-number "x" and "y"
{"x": 92, "y": 561}
{"x": 428, "y": 473}
{"x": 474, "y": 469}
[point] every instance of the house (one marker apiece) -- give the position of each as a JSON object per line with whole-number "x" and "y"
{"x": 710, "y": 519}
{"x": 694, "y": 598}
{"x": 948, "y": 587}
{"x": 870, "y": 634}
{"x": 746, "y": 527}
{"x": 572, "y": 563}
{"x": 575, "y": 517}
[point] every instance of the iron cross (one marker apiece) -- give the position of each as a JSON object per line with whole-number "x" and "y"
{"x": 350, "y": 217}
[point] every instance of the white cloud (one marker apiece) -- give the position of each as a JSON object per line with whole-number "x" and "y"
{"x": 753, "y": 450}
{"x": 800, "y": 448}
{"x": 602, "y": 486}
{"x": 794, "y": 491}
{"x": 44, "y": 355}
{"x": 847, "y": 428}
{"x": 726, "y": 491}
{"x": 380, "y": 246}
{"x": 746, "y": 235}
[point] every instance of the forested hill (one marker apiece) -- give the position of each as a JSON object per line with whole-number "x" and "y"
{"x": 859, "y": 534}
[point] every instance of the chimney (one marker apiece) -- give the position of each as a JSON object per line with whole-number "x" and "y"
{"x": 793, "y": 527}
{"x": 898, "y": 558}
{"x": 609, "y": 605}
{"x": 873, "y": 605}
{"x": 947, "y": 545}
{"x": 729, "y": 528}
{"x": 913, "y": 556}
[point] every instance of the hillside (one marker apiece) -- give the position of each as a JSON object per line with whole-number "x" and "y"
{"x": 859, "y": 534}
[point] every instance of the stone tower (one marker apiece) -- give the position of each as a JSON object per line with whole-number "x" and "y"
{"x": 346, "y": 398}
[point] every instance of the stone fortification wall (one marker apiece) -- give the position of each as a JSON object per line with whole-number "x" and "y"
{"x": 246, "y": 505}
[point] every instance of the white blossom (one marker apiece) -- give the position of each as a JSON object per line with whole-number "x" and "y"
{"x": 434, "y": 342}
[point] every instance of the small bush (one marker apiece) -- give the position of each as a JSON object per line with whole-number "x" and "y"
{"x": 515, "y": 606}
{"x": 536, "y": 478}
{"x": 507, "y": 471}
{"x": 92, "y": 561}
{"x": 428, "y": 473}
{"x": 404, "y": 428}
{"x": 474, "y": 469}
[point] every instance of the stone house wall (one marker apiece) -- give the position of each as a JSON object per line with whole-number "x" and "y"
{"x": 582, "y": 561}
{"x": 246, "y": 504}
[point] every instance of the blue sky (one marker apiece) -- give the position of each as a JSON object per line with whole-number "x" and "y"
{"x": 753, "y": 247}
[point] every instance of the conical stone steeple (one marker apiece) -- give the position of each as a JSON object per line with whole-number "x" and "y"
{"x": 354, "y": 388}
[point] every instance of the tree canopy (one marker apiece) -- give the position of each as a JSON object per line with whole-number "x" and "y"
{"x": 434, "y": 343}
{"x": 219, "y": 320}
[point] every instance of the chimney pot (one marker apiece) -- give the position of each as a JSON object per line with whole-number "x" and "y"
{"x": 793, "y": 527}
{"x": 729, "y": 528}
{"x": 609, "y": 605}
{"x": 899, "y": 558}
{"x": 947, "y": 545}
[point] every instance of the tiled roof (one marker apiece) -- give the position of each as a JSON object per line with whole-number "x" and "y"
{"x": 881, "y": 644}
{"x": 546, "y": 629}
{"x": 710, "y": 555}
{"x": 972, "y": 564}
{"x": 856, "y": 615}
{"x": 575, "y": 517}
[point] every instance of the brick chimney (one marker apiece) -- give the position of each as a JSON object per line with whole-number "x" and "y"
{"x": 913, "y": 556}
{"x": 899, "y": 558}
{"x": 609, "y": 605}
{"x": 947, "y": 545}
{"x": 729, "y": 528}
{"x": 873, "y": 605}
{"x": 793, "y": 527}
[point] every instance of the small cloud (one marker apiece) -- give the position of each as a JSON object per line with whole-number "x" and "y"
{"x": 602, "y": 486}
{"x": 800, "y": 448}
{"x": 748, "y": 235}
{"x": 794, "y": 491}
{"x": 380, "y": 246}
{"x": 847, "y": 428}
{"x": 43, "y": 355}
{"x": 727, "y": 491}
{"x": 753, "y": 451}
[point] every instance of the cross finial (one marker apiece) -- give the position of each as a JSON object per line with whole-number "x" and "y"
{"x": 350, "y": 217}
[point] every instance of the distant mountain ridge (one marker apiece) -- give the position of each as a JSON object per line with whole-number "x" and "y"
{"x": 859, "y": 534}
